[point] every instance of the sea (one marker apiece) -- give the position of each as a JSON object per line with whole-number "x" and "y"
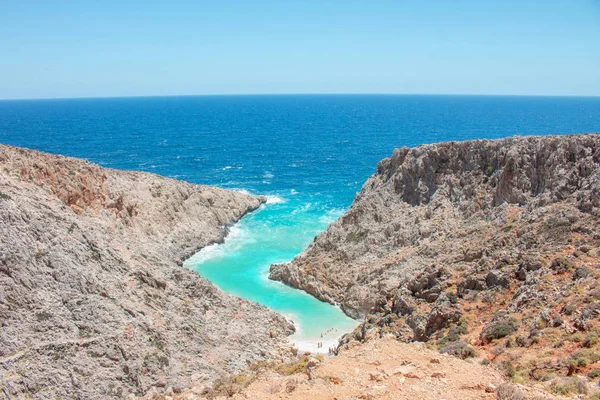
{"x": 308, "y": 154}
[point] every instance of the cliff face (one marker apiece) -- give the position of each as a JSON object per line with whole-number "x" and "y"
{"x": 443, "y": 236}
{"x": 444, "y": 204}
{"x": 92, "y": 301}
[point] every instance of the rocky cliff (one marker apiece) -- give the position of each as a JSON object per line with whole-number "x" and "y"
{"x": 486, "y": 244}
{"x": 93, "y": 303}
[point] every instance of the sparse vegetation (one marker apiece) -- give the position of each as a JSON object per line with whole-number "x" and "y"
{"x": 507, "y": 391}
{"x": 561, "y": 264}
{"x": 459, "y": 349}
{"x": 569, "y": 385}
{"x": 228, "y": 386}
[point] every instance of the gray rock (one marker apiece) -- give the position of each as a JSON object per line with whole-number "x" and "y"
{"x": 93, "y": 302}
{"x": 495, "y": 279}
{"x": 454, "y": 205}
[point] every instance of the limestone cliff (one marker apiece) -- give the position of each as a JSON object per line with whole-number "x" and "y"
{"x": 93, "y": 303}
{"x": 477, "y": 241}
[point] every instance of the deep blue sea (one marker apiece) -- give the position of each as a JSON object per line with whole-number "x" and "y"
{"x": 309, "y": 154}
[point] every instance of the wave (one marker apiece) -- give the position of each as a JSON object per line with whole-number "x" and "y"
{"x": 268, "y": 175}
{"x": 331, "y": 215}
{"x": 216, "y": 250}
{"x": 272, "y": 199}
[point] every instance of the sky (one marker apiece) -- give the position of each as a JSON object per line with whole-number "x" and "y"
{"x": 57, "y": 49}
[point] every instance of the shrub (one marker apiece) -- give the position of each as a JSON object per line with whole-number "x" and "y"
{"x": 507, "y": 391}
{"x": 499, "y": 329}
{"x": 452, "y": 297}
{"x": 590, "y": 341}
{"x": 593, "y": 374}
{"x": 561, "y": 264}
{"x": 4, "y": 196}
{"x": 293, "y": 367}
{"x": 458, "y": 349}
{"x": 569, "y": 309}
{"x": 508, "y": 368}
{"x": 227, "y": 387}
{"x": 569, "y": 385}
{"x": 581, "y": 359}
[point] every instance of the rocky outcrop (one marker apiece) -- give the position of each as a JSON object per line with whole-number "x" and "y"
{"x": 442, "y": 204}
{"x": 445, "y": 238}
{"x": 92, "y": 302}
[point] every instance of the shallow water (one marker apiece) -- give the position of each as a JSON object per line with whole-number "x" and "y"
{"x": 311, "y": 154}
{"x": 275, "y": 233}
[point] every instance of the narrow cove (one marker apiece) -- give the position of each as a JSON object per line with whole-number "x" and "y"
{"x": 275, "y": 233}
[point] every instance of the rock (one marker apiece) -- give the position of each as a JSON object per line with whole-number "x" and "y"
{"x": 403, "y": 370}
{"x": 377, "y": 376}
{"x": 495, "y": 279}
{"x": 92, "y": 299}
{"x": 471, "y": 283}
{"x": 443, "y": 314}
{"x": 290, "y": 385}
{"x": 402, "y": 304}
{"x": 581, "y": 273}
{"x": 429, "y": 284}
{"x": 448, "y": 205}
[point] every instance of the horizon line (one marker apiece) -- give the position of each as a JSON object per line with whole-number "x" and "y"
{"x": 294, "y": 94}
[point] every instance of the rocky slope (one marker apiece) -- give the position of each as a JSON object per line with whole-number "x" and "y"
{"x": 381, "y": 369}
{"x": 479, "y": 247}
{"x": 92, "y": 302}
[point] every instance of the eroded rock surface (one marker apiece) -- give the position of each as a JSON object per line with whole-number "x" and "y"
{"x": 92, "y": 302}
{"x": 479, "y": 247}
{"x": 442, "y": 204}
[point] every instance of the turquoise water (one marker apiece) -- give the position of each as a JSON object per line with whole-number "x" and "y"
{"x": 275, "y": 233}
{"x": 312, "y": 153}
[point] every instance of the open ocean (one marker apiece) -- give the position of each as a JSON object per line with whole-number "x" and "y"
{"x": 308, "y": 154}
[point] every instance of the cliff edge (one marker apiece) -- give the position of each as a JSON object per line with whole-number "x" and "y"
{"x": 481, "y": 248}
{"x": 93, "y": 303}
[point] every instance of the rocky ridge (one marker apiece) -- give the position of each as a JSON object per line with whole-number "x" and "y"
{"x": 486, "y": 249}
{"x": 93, "y": 303}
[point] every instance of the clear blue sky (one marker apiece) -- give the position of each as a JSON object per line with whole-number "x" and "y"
{"x": 128, "y": 48}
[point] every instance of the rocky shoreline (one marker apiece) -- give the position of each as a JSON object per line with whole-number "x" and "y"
{"x": 480, "y": 248}
{"x": 93, "y": 303}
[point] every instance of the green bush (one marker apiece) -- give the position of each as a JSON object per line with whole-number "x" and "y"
{"x": 499, "y": 329}
{"x": 593, "y": 374}
{"x": 591, "y": 340}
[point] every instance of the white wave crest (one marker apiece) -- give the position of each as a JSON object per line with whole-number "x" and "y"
{"x": 331, "y": 215}
{"x": 216, "y": 250}
{"x": 271, "y": 199}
